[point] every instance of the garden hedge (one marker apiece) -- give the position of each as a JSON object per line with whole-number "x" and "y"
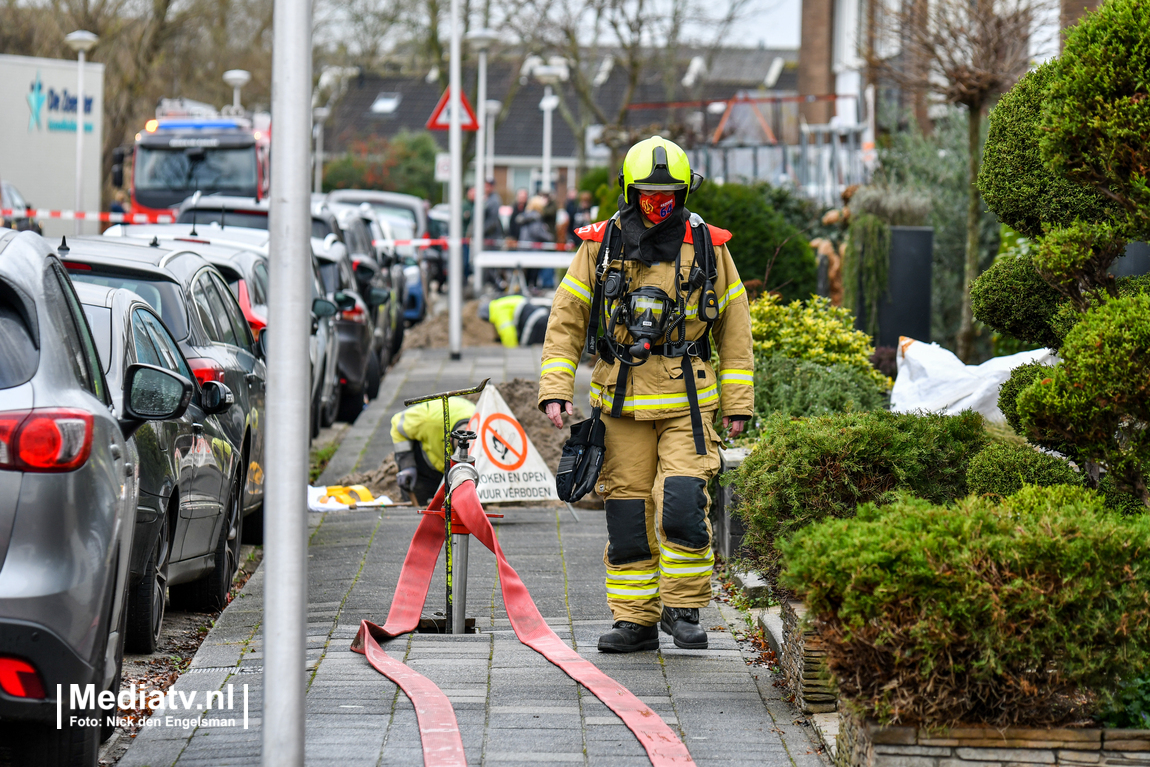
{"x": 1002, "y": 468}
{"x": 802, "y": 471}
{"x": 1026, "y": 611}
{"x": 1013, "y": 298}
{"x": 800, "y": 388}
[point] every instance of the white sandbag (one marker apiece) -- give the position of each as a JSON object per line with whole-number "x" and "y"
{"x": 933, "y": 380}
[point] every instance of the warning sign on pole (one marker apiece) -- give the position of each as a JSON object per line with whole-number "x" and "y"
{"x": 441, "y": 117}
{"x": 509, "y": 466}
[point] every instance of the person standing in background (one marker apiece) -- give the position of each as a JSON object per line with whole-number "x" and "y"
{"x": 517, "y": 210}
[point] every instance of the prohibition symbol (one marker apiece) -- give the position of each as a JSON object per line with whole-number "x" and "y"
{"x": 505, "y": 446}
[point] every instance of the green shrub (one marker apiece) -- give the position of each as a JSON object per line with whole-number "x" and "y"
{"x": 404, "y": 163}
{"x": 1130, "y": 708}
{"x": 1002, "y": 469}
{"x": 814, "y": 331}
{"x": 1012, "y": 298}
{"x": 799, "y": 388}
{"x": 1014, "y": 180}
{"x": 1098, "y": 398}
{"x": 1117, "y": 499}
{"x": 1096, "y": 115}
{"x": 758, "y": 231}
{"x": 1024, "y": 611}
{"x": 593, "y": 178}
{"x": 1075, "y": 259}
{"x": 805, "y": 470}
{"x": 1020, "y": 378}
{"x": 1067, "y": 315}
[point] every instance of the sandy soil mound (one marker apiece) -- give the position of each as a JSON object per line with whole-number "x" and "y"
{"x": 381, "y": 481}
{"x": 432, "y": 332}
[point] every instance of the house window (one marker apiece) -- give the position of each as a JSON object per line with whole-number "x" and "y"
{"x": 386, "y": 103}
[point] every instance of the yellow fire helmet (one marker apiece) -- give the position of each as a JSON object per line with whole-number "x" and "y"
{"x": 656, "y": 164}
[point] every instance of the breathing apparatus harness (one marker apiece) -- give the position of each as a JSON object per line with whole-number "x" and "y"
{"x": 649, "y": 314}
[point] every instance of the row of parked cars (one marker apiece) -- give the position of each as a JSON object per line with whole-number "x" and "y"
{"x": 132, "y": 407}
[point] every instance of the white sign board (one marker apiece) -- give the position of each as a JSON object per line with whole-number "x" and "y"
{"x": 443, "y": 167}
{"x": 509, "y": 466}
{"x": 38, "y": 134}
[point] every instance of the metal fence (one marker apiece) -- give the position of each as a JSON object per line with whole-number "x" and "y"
{"x": 825, "y": 162}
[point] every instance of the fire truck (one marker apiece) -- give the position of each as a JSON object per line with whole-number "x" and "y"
{"x": 191, "y": 147}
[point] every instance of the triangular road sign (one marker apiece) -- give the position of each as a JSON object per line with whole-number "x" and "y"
{"x": 441, "y": 118}
{"x": 510, "y": 467}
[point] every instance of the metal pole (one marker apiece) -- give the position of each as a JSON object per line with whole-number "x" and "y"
{"x": 318, "y": 185}
{"x": 455, "y": 198}
{"x": 285, "y": 501}
{"x": 459, "y": 579}
{"x": 480, "y": 172}
{"x": 547, "y": 138}
{"x": 79, "y": 139}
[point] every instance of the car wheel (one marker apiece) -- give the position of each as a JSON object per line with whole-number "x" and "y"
{"x": 374, "y": 377}
{"x": 146, "y": 602}
{"x": 397, "y": 337}
{"x": 210, "y": 593}
{"x": 315, "y": 414}
{"x": 350, "y": 404}
{"x": 332, "y": 410}
{"x": 36, "y": 744}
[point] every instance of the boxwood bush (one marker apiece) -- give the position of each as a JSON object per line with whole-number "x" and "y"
{"x": 1001, "y": 469}
{"x": 1029, "y": 610}
{"x": 805, "y": 470}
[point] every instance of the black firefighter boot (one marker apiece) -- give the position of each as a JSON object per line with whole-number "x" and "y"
{"x": 626, "y": 636}
{"x": 682, "y": 623}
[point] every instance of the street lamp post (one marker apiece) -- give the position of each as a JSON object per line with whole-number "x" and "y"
{"x": 81, "y": 41}
{"x": 455, "y": 198}
{"x": 480, "y": 40}
{"x": 319, "y": 115}
{"x": 492, "y": 110}
{"x": 237, "y": 78}
{"x": 548, "y": 75}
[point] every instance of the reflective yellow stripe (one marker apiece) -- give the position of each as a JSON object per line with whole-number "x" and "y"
{"x": 558, "y": 364}
{"x": 399, "y": 426}
{"x": 732, "y": 293}
{"x": 684, "y": 564}
{"x": 735, "y": 376}
{"x": 632, "y": 584}
{"x": 576, "y": 288}
{"x": 656, "y": 401}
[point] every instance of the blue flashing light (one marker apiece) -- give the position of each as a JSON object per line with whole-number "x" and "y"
{"x": 198, "y": 125}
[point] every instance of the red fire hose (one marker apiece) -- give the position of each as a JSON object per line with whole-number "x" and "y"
{"x": 438, "y": 729}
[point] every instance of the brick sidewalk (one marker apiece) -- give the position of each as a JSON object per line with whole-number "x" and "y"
{"x": 513, "y": 707}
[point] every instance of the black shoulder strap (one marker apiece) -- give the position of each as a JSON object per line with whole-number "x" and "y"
{"x": 589, "y": 345}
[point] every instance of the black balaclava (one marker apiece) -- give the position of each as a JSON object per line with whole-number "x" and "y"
{"x": 658, "y": 243}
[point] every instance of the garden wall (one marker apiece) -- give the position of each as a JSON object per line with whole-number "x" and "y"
{"x": 868, "y": 744}
{"x": 802, "y": 658}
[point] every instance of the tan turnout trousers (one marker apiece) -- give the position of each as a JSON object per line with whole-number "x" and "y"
{"x": 655, "y": 486}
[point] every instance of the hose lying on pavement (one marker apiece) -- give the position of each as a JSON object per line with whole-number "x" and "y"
{"x": 438, "y": 729}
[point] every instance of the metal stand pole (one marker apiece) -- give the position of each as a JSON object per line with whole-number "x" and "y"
{"x": 79, "y": 140}
{"x": 459, "y": 605}
{"x": 286, "y": 459}
{"x": 455, "y": 199}
{"x": 480, "y": 208}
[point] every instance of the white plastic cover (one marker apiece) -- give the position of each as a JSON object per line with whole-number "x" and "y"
{"x": 932, "y": 379}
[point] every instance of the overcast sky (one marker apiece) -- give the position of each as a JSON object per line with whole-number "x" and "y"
{"x": 774, "y": 23}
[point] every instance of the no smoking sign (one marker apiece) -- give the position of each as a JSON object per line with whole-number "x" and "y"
{"x": 504, "y": 441}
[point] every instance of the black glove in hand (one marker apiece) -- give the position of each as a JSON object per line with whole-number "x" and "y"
{"x": 406, "y": 480}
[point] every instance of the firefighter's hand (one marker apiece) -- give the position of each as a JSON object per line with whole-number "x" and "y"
{"x": 736, "y": 427}
{"x": 554, "y": 412}
{"x": 406, "y": 479}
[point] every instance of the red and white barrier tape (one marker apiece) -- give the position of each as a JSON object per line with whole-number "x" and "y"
{"x": 80, "y": 215}
{"x": 442, "y": 242}
{"x": 438, "y": 728}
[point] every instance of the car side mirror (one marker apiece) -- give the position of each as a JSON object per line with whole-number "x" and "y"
{"x": 153, "y": 394}
{"x": 216, "y": 397}
{"x": 261, "y": 345}
{"x": 321, "y": 307}
{"x": 380, "y": 296}
{"x": 344, "y": 301}
{"x": 330, "y": 240}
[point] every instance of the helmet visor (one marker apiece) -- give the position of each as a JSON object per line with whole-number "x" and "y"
{"x": 658, "y": 187}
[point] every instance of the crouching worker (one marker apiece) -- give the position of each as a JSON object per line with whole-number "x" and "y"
{"x": 648, "y": 290}
{"x": 418, "y": 437}
{"x": 519, "y": 322}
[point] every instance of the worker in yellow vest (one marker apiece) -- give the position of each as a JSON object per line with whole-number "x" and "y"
{"x": 417, "y": 434}
{"x": 518, "y": 321}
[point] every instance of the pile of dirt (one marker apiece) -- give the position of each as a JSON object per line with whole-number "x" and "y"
{"x": 381, "y": 481}
{"x": 432, "y": 332}
{"x": 522, "y": 397}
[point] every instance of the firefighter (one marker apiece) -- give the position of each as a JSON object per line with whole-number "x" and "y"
{"x": 647, "y": 290}
{"x": 417, "y": 434}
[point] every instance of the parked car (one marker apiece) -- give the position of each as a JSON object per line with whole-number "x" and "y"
{"x": 188, "y": 507}
{"x": 195, "y": 304}
{"x": 375, "y": 267}
{"x": 11, "y": 199}
{"x": 68, "y": 486}
{"x": 359, "y": 364}
{"x": 245, "y": 212}
{"x": 248, "y": 279}
{"x": 405, "y": 207}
